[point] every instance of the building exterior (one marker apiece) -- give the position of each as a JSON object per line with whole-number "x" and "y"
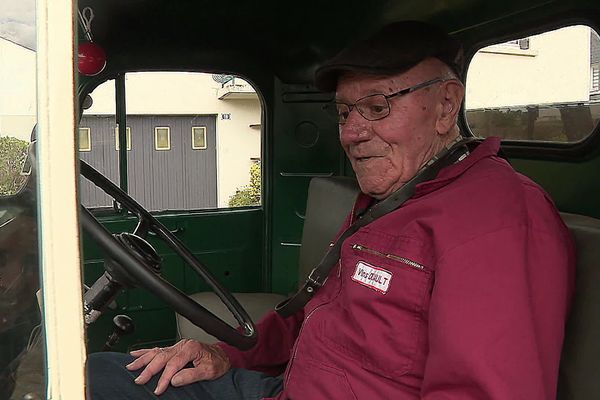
{"x": 171, "y": 159}
{"x": 554, "y": 68}
{"x": 537, "y": 88}
{"x": 197, "y": 133}
{"x": 17, "y": 90}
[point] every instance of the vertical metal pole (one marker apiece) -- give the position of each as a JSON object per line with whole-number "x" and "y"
{"x": 58, "y": 204}
{"x": 122, "y": 121}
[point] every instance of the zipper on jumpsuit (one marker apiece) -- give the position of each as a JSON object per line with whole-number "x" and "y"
{"x": 291, "y": 362}
{"x": 295, "y": 351}
{"x": 406, "y": 261}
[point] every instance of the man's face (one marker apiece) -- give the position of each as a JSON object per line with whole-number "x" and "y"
{"x": 387, "y": 153}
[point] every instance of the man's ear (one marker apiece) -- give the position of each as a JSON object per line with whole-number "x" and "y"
{"x": 451, "y": 97}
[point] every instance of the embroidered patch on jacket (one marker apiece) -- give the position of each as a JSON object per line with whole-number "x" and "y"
{"x": 372, "y": 277}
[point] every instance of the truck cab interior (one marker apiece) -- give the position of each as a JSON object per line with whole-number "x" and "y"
{"x": 203, "y": 135}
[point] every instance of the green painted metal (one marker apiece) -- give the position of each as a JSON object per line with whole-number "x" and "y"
{"x": 288, "y": 39}
{"x": 306, "y": 144}
{"x": 574, "y": 187}
{"x": 121, "y": 111}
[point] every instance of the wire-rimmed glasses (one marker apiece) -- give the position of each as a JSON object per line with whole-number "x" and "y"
{"x": 374, "y": 106}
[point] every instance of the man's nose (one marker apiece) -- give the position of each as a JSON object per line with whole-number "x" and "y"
{"x": 356, "y": 129}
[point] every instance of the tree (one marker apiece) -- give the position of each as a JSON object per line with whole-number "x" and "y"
{"x": 12, "y": 156}
{"x": 249, "y": 195}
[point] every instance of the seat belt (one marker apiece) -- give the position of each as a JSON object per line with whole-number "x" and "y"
{"x": 317, "y": 277}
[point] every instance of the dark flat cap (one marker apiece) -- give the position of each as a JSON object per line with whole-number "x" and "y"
{"x": 394, "y": 49}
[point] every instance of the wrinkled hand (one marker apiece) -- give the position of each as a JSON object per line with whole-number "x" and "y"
{"x": 210, "y": 362}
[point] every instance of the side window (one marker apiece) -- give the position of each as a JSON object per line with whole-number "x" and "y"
{"x": 191, "y": 138}
{"x": 85, "y": 139}
{"x": 540, "y": 88}
{"x": 199, "y": 138}
{"x": 162, "y": 138}
{"x": 595, "y": 79}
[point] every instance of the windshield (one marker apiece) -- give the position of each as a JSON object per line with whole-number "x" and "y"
{"x": 21, "y": 350}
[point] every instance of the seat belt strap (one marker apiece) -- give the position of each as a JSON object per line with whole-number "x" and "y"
{"x": 316, "y": 279}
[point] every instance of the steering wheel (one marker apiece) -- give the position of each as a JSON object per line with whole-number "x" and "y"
{"x": 142, "y": 268}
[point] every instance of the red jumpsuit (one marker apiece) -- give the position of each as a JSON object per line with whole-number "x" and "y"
{"x": 462, "y": 293}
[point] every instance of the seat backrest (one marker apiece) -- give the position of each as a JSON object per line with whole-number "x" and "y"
{"x": 579, "y": 377}
{"x": 330, "y": 200}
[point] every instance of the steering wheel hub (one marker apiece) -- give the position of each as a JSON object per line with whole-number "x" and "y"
{"x": 141, "y": 250}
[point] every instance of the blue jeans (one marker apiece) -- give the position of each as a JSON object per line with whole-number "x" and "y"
{"x": 109, "y": 379}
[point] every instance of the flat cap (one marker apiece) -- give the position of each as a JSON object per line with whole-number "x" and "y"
{"x": 394, "y": 49}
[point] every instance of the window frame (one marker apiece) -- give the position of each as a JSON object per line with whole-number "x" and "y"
{"x": 58, "y": 205}
{"x": 156, "y": 128}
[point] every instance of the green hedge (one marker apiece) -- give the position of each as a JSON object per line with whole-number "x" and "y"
{"x": 12, "y": 156}
{"x": 249, "y": 195}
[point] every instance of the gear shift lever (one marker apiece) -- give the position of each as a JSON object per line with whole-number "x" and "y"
{"x": 122, "y": 325}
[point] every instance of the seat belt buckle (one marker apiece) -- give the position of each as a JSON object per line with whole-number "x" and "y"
{"x": 314, "y": 280}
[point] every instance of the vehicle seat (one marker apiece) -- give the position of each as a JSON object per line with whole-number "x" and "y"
{"x": 329, "y": 201}
{"x": 579, "y": 376}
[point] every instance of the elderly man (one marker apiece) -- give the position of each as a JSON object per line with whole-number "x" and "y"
{"x": 460, "y": 293}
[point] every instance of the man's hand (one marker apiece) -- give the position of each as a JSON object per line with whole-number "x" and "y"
{"x": 210, "y": 362}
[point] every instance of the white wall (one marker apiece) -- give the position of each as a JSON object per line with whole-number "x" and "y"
{"x": 555, "y": 68}
{"x": 158, "y": 93}
{"x": 17, "y": 90}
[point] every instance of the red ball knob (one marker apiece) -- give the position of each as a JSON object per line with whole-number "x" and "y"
{"x": 91, "y": 59}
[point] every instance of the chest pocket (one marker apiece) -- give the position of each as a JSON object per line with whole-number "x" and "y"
{"x": 386, "y": 285}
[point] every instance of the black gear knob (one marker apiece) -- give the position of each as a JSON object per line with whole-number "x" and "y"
{"x": 122, "y": 325}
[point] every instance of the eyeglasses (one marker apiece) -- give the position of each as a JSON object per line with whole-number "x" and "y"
{"x": 374, "y": 106}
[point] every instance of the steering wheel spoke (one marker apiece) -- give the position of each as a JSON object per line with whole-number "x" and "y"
{"x": 142, "y": 228}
